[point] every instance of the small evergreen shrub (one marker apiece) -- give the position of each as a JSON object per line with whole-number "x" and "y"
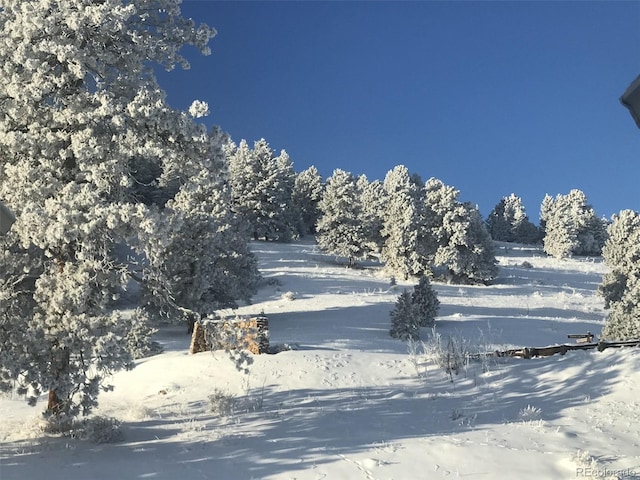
{"x": 404, "y": 321}
{"x": 414, "y": 310}
{"x": 425, "y": 302}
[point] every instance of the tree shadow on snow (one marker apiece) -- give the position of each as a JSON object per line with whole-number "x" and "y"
{"x": 308, "y": 428}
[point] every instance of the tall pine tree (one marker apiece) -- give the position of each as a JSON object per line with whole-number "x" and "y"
{"x": 402, "y": 224}
{"x": 91, "y": 156}
{"x": 340, "y": 230}
{"x": 262, "y": 186}
{"x": 307, "y": 192}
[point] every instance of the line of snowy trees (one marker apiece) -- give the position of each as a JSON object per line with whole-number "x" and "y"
{"x": 568, "y": 225}
{"x": 415, "y": 228}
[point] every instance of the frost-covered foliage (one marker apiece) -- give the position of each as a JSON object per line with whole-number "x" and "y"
{"x": 403, "y": 224}
{"x": 373, "y": 201}
{"x": 197, "y": 252}
{"x": 139, "y": 336}
{"x": 262, "y": 186}
{"x": 468, "y": 256}
{"x": 340, "y": 230}
{"x": 425, "y": 302}
{"x": 439, "y": 199}
{"x": 621, "y": 286}
{"x": 508, "y": 222}
{"x": 460, "y": 248}
{"x": 571, "y": 226}
{"x": 92, "y": 158}
{"x": 404, "y": 322}
{"x": 307, "y": 192}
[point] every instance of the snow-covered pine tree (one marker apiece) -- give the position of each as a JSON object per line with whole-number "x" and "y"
{"x": 508, "y": 222}
{"x": 307, "y": 192}
{"x": 83, "y": 125}
{"x": 546, "y": 207}
{"x": 498, "y": 224}
{"x": 404, "y": 322}
{"x": 262, "y": 186}
{"x": 621, "y": 285}
{"x": 402, "y": 225}
{"x": 373, "y": 201}
{"x": 439, "y": 199}
{"x": 571, "y": 226}
{"x": 425, "y": 302}
{"x": 468, "y": 255}
{"x": 198, "y": 251}
{"x": 340, "y": 230}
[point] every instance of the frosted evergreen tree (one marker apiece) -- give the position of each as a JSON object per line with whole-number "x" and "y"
{"x": 621, "y": 285}
{"x": 307, "y": 192}
{"x": 402, "y": 225}
{"x": 439, "y": 199}
{"x": 468, "y": 255}
{"x": 546, "y": 208}
{"x": 83, "y": 125}
{"x": 373, "y": 201}
{"x": 508, "y": 222}
{"x": 404, "y": 321}
{"x": 498, "y": 224}
{"x": 425, "y": 303}
{"x": 262, "y": 186}
{"x": 571, "y": 226}
{"x": 592, "y": 234}
{"x": 340, "y": 230}
{"x": 203, "y": 260}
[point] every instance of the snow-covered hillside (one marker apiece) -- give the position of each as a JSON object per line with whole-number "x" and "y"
{"x": 349, "y": 402}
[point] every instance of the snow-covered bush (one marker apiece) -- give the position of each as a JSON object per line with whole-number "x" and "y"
{"x": 530, "y": 413}
{"x": 404, "y": 322}
{"x": 99, "y": 429}
{"x": 222, "y": 403}
{"x": 452, "y": 354}
{"x": 95, "y": 429}
{"x": 621, "y": 285}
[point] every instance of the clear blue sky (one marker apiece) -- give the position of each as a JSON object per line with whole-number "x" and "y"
{"x": 491, "y": 97}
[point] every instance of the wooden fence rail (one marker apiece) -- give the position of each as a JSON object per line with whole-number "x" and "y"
{"x": 531, "y": 352}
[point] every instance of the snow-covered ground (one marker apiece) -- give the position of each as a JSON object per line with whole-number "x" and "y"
{"x": 349, "y": 402}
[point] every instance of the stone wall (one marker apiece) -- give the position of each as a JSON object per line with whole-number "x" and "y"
{"x": 250, "y": 334}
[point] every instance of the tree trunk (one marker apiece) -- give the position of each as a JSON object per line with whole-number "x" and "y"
{"x": 54, "y": 405}
{"x": 60, "y": 368}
